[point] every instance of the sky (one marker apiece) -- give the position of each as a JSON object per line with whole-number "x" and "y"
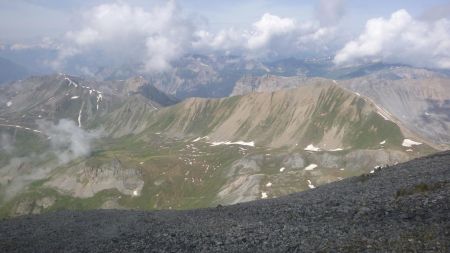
{"x": 157, "y": 32}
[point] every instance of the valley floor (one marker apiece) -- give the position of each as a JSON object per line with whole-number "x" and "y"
{"x": 400, "y": 208}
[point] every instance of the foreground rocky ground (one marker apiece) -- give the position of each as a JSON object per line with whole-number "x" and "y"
{"x": 401, "y": 208}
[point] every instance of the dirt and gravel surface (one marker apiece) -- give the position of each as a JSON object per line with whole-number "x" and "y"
{"x": 403, "y": 208}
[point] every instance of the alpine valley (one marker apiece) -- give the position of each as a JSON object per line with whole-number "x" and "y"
{"x": 211, "y": 131}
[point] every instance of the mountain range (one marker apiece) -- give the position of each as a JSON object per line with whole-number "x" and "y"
{"x": 213, "y": 130}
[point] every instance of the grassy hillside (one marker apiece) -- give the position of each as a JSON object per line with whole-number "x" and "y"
{"x": 322, "y": 114}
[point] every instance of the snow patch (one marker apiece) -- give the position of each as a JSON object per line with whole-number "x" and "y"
{"x": 79, "y": 116}
{"x": 311, "y": 147}
{"x": 75, "y": 97}
{"x": 383, "y": 142}
{"x": 264, "y": 195}
{"x": 269, "y": 184}
{"x": 310, "y": 185}
{"x": 99, "y": 98}
{"x": 9, "y": 104}
{"x": 311, "y": 166}
{"x": 382, "y": 115}
{"x": 409, "y": 143}
{"x": 71, "y": 82}
{"x": 282, "y": 169}
{"x": 200, "y": 138}
{"x": 336, "y": 149}
{"x": 243, "y": 143}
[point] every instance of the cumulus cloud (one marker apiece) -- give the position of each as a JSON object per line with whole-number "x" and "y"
{"x": 67, "y": 140}
{"x": 127, "y": 34}
{"x": 400, "y": 39}
{"x": 269, "y": 27}
{"x": 271, "y": 35}
{"x": 120, "y": 34}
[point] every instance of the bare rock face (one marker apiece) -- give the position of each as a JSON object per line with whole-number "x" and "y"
{"x": 85, "y": 182}
{"x": 29, "y": 206}
{"x": 294, "y": 161}
{"x": 243, "y": 181}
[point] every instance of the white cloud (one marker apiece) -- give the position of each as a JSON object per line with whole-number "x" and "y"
{"x": 267, "y": 28}
{"x": 271, "y": 36}
{"x": 123, "y": 33}
{"x": 400, "y": 39}
{"x": 67, "y": 140}
{"x": 120, "y": 34}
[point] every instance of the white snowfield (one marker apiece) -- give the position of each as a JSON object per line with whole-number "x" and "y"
{"x": 243, "y": 143}
{"x": 269, "y": 184}
{"x": 282, "y": 169}
{"x": 21, "y": 127}
{"x": 383, "y": 142}
{"x": 91, "y": 90}
{"x": 409, "y": 143}
{"x": 200, "y": 138}
{"x": 310, "y": 185}
{"x": 311, "y": 147}
{"x": 71, "y": 82}
{"x": 335, "y": 150}
{"x": 264, "y": 195}
{"x": 311, "y": 166}
{"x": 9, "y": 104}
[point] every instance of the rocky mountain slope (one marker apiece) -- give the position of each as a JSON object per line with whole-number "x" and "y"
{"x": 203, "y": 152}
{"x": 84, "y": 101}
{"x": 418, "y": 98}
{"x": 400, "y": 208}
{"x": 320, "y": 113}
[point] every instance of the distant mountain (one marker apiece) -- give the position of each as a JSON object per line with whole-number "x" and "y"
{"x": 84, "y": 101}
{"x": 193, "y": 75}
{"x": 419, "y": 98}
{"x": 10, "y": 71}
